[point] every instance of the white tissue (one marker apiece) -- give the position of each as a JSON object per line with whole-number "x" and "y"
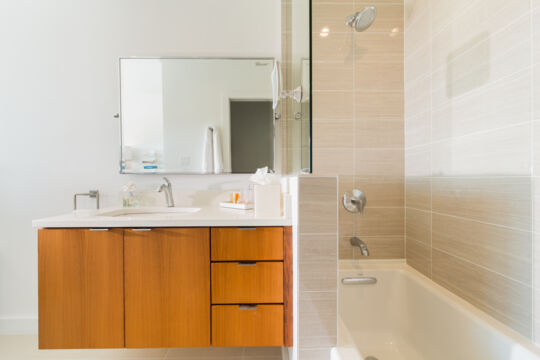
{"x": 263, "y": 176}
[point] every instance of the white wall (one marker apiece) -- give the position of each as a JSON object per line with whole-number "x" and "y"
{"x": 59, "y": 90}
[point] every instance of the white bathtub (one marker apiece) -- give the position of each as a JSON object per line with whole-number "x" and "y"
{"x": 405, "y": 316}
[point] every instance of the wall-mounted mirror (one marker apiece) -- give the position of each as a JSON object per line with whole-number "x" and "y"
{"x": 223, "y": 114}
{"x": 196, "y": 116}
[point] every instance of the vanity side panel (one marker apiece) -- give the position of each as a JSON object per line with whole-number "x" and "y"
{"x": 81, "y": 294}
{"x": 287, "y": 286}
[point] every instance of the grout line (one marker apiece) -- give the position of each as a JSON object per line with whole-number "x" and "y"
{"x": 484, "y": 268}
{"x": 473, "y": 220}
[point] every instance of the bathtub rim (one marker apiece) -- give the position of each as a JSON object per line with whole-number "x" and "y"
{"x": 476, "y": 314}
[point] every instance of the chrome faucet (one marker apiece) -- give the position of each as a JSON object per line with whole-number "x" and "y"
{"x": 167, "y": 189}
{"x": 362, "y": 245}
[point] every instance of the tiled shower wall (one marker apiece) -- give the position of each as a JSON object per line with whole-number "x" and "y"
{"x": 317, "y": 267}
{"x": 472, "y": 139}
{"x": 358, "y": 129}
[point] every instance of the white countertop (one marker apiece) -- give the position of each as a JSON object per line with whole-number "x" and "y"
{"x": 207, "y": 216}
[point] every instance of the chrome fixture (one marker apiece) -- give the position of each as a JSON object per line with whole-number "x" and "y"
{"x": 362, "y": 20}
{"x": 354, "y": 202}
{"x": 93, "y": 194}
{"x": 167, "y": 189}
{"x": 363, "y": 280}
{"x": 356, "y": 242}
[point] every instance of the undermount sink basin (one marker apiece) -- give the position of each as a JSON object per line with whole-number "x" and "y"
{"x": 166, "y": 211}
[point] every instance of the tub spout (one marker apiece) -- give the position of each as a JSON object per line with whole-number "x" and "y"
{"x": 362, "y": 245}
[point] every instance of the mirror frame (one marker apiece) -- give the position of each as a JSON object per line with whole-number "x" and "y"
{"x": 276, "y": 115}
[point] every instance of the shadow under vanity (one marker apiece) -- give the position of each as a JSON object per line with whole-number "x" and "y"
{"x": 165, "y": 287}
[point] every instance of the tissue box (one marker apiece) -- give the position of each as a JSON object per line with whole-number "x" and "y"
{"x": 267, "y": 199}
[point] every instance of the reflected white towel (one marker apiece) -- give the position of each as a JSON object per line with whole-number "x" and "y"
{"x": 208, "y": 151}
{"x": 218, "y": 156}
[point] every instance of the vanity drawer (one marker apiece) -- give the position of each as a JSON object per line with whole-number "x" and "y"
{"x": 259, "y": 243}
{"x": 247, "y": 283}
{"x": 245, "y": 325}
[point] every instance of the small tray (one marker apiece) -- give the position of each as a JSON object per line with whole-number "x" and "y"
{"x": 230, "y": 205}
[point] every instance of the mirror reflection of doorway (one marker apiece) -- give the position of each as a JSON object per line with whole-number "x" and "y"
{"x": 252, "y": 135}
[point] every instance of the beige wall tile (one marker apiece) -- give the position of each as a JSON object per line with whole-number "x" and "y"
{"x": 333, "y": 133}
{"x": 496, "y": 248}
{"x": 317, "y": 200}
{"x": 382, "y": 192}
{"x": 332, "y": 76}
{"x": 418, "y": 161}
{"x": 502, "y": 152}
{"x": 336, "y": 47}
{"x": 317, "y": 317}
{"x": 318, "y": 277}
{"x": 378, "y": 77}
{"x": 333, "y": 161}
{"x": 380, "y": 221}
{"x": 383, "y": 247}
{"x": 418, "y": 226}
{"x": 379, "y": 133}
{"x": 346, "y": 251}
{"x": 536, "y": 147}
{"x": 502, "y": 201}
{"x": 379, "y": 163}
{"x": 380, "y": 247}
{"x": 317, "y": 262}
{"x": 318, "y": 249}
{"x": 371, "y": 105}
{"x": 503, "y": 104}
{"x": 418, "y": 129}
{"x": 331, "y": 16}
{"x": 378, "y": 48}
{"x": 333, "y": 106}
{"x": 504, "y": 299}
{"x": 418, "y": 256}
{"x": 418, "y": 193}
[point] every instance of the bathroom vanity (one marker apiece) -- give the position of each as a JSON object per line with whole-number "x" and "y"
{"x": 204, "y": 279}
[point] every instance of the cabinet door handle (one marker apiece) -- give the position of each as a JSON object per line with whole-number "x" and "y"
{"x": 247, "y": 307}
{"x": 98, "y": 229}
{"x": 141, "y": 229}
{"x": 247, "y": 263}
{"x": 247, "y": 228}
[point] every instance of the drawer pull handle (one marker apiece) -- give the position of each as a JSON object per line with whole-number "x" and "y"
{"x": 247, "y": 307}
{"x": 247, "y": 228}
{"x": 247, "y": 263}
{"x": 99, "y": 229}
{"x": 141, "y": 229}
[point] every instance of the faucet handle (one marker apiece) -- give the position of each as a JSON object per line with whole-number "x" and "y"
{"x": 167, "y": 181}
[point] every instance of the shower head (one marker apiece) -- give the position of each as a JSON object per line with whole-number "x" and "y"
{"x": 362, "y": 19}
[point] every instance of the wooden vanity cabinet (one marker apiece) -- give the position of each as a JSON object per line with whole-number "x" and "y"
{"x": 165, "y": 287}
{"x": 167, "y": 282}
{"x": 251, "y": 286}
{"x": 81, "y": 288}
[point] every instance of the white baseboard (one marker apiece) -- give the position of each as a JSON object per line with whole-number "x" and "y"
{"x": 18, "y": 326}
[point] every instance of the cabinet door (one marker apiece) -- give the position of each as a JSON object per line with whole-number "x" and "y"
{"x": 81, "y": 295}
{"x": 167, "y": 287}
